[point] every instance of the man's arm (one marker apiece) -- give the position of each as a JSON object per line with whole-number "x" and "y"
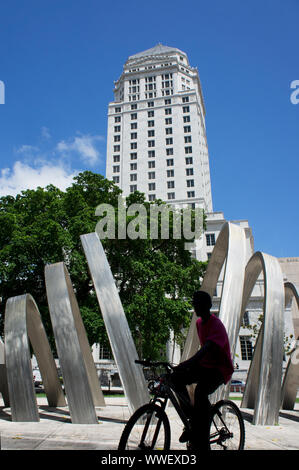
{"x": 209, "y": 346}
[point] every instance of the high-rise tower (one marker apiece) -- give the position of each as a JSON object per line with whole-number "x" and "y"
{"x": 156, "y": 140}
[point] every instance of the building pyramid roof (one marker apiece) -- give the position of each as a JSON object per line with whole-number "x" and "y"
{"x": 156, "y": 50}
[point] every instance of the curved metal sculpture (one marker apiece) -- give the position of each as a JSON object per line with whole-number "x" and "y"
{"x": 79, "y": 373}
{"x": 230, "y": 247}
{"x": 263, "y": 386}
{"x": 119, "y": 334}
{"x": 291, "y": 377}
{"x": 23, "y": 320}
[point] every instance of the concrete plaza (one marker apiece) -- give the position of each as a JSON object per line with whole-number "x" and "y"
{"x": 56, "y": 432}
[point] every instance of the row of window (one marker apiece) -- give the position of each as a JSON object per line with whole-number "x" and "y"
{"x": 169, "y": 162}
{"x": 117, "y": 109}
{"x": 152, "y": 187}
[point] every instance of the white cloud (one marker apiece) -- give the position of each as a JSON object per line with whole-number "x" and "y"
{"x": 84, "y": 145}
{"x": 23, "y": 176}
{"x": 27, "y": 149}
{"x": 45, "y": 133}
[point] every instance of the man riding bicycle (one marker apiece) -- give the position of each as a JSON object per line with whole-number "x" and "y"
{"x": 210, "y": 367}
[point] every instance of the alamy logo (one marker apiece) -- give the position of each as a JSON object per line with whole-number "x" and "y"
{"x": 2, "y": 92}
{"x": 295, "y": 95}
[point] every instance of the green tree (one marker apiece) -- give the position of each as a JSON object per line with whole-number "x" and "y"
{"x": 155, "y": 277}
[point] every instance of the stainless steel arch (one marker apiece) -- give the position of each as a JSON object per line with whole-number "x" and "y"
{"x": 263, "y": 386}
{"x": 79, "y": 374}
{"x": 22, "y": 319}
{"x": 229, "y": 254}
{"x": 291, "y": 377}
{"x": 119, "y": 334}
{"x": 3, "y": 375}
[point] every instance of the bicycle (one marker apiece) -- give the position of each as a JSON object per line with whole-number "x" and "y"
{"x": 149, "y": 429}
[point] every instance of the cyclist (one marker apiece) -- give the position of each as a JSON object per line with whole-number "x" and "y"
{"x": 210, "y": 367}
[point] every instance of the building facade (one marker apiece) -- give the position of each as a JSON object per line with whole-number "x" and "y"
{"x": 156, "y": 139}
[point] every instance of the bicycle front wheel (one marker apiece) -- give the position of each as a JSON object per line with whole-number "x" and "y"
{"x": 147, "y": 429}
{"x": 227, "y": 430}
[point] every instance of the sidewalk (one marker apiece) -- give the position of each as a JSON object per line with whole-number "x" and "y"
{"x": 56, "y": 432}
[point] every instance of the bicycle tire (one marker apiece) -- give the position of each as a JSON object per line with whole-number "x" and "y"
{"x": 227, "y": 430}
{"x": 144, "y": 435}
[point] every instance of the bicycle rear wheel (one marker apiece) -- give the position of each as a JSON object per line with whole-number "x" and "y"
{"x": 227, "y": 430}
{"x": 147, "y": 429}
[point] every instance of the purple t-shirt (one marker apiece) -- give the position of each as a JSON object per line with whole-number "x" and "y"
{"x": 215, "y": 331}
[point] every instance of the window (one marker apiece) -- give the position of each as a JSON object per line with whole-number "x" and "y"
{"x": 133, "y": 116}
{"x": 151, "y": 164}
{"x": 150, "y": 104}
{"x": 150, "y": 113}
{"x": 151, "y": 175}
{"x": 116, "y": 148}
{"x": 246, "y": 348}
{"x": 170, "y": 184}
{"x": 150, "y": 123}
{"x": 190, "y": 183}
{"x": 116, "y": 128}
{"x": 169, "y": 162}
{"x": 190, "y": 193}
{"x": 133, "y": 156}
{"x": 210, "y": 237}
{"x": 168, "y": 111}
{"x": 116, "y": 158}
{"x": 117, "y": 138}
{"x": 187, "y": 129}
{"x": 117, "y": 119}
{"x": 170, "y": 195}
{"x": 168, "y": 121}
{"x": 185, "y": 99}
{"x": 133, "y": 188}
{"x": 189, "y": 160}
{"x": 133, "y": 145}
{"x": 133, "y": 177}
{"x": 118, "y": 110}
{"x": 170, "y": 173}
{"x": 150, "y": 143}
{"x": 151, "y": 186}
{"x": 188, "y": 149}
{"x": 186, "y": 109}
{"x": 133, "y": 106}
{"x": 167, "y": 101}
{"x": 169, "y": 141}
{"x": 115, "y": 168}
{"x": 169, "y": 151}
{"x": 186, "y": 118}
{"x": 189, "y": 171}
{"x": 187, "y": 139}
{"x": 152, "y": 197}
{"x": 133, "y": 166}
{"x": 168, "y": 130}
{"x": 115, "y": 179}
{"x": 133, "y": 135}
{"x": 245, "y": 321}
{"x": 151, "y": 133}
{"x": 134, "y": 125}
{"x": 151, "y": 153}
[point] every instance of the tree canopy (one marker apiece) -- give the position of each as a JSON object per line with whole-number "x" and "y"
{"x": 155, "y": 277}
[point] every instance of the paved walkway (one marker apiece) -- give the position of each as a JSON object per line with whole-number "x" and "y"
{"x": 55, "y": 430}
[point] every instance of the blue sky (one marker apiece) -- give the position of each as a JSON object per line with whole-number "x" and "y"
{"x": 59, "y": 58}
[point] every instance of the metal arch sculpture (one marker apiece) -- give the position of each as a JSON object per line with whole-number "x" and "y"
{"x": 116, "y": 324}
{"x": 23, "y": 320}
{"x": 78, "y": 369}
{"x": 230, "y": 249}
{"x": 3, "y": 375}
{"x": 263, "y": 385}
{"x": 291, "y": 377}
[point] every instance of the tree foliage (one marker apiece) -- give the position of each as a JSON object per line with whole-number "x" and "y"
{"x": 155, "y": 278}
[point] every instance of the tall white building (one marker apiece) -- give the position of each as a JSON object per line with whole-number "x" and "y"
{"x": 156, "y": 140}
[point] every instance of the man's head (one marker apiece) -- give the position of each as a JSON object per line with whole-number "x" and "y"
{"x": 202, "y": 303}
